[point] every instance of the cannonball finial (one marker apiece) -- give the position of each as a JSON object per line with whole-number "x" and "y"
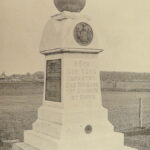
{"x": 70, "y": 5}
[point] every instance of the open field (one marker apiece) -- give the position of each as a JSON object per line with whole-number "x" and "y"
{"x": 19, "y": 110}
{"x": 17, "y": 113}
{"x": 123, "y": 113}
{"x": 20, "y": 88}
{"x": 124, "y": 108}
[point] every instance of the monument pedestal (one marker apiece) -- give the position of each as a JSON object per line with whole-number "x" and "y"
{"x": 72, "y": 116}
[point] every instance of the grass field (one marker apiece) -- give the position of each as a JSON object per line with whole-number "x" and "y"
{"x": 123, "y": 113}
{"x": 124, "y": 108}
{"x": 19, "y": 111}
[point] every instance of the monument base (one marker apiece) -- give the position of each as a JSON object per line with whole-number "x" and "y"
{"x": 78, "y": 121}
{"x": 65, "y": 130}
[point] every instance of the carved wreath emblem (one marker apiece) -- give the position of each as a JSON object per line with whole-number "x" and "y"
{"x": 83, "y": 34}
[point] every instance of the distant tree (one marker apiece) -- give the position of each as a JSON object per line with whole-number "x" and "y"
{"x": 3, "y": 74}
{"x": 124, "y": 76}
{"x": 28, "y": 74}
{"x": 38, "y": 75}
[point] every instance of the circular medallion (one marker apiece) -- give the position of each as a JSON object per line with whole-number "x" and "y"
{"x": 88, "y": 129}
{"x": 83, "y": 34}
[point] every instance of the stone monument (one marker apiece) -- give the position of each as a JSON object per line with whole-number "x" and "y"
{"x": 72, "y": 116}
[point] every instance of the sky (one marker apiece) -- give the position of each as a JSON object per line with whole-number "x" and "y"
{"x": 123, "y": 25}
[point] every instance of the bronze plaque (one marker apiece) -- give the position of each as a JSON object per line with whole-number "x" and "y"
{"x": 83, "y": 33}
{"x": 53, "y": 80}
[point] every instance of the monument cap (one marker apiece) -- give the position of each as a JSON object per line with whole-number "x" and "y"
{"x": 70, "y": 5}
{"x": 70, "y": 32}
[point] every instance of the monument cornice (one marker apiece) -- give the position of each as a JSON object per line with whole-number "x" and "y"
{"x": 71, "y": 50}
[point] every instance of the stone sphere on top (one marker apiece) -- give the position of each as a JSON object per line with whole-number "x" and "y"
{"x": 70, "y": 5}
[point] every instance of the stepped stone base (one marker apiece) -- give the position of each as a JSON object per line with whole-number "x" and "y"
{"x": 23, "y": 146}
{"x": 140, "y": 142}
{"x": 54, "y": 131}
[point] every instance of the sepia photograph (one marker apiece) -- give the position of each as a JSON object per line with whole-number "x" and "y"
{"x": 74, "y": 75}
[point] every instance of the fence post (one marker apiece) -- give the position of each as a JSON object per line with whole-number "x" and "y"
{"x": 140, "y": 113}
